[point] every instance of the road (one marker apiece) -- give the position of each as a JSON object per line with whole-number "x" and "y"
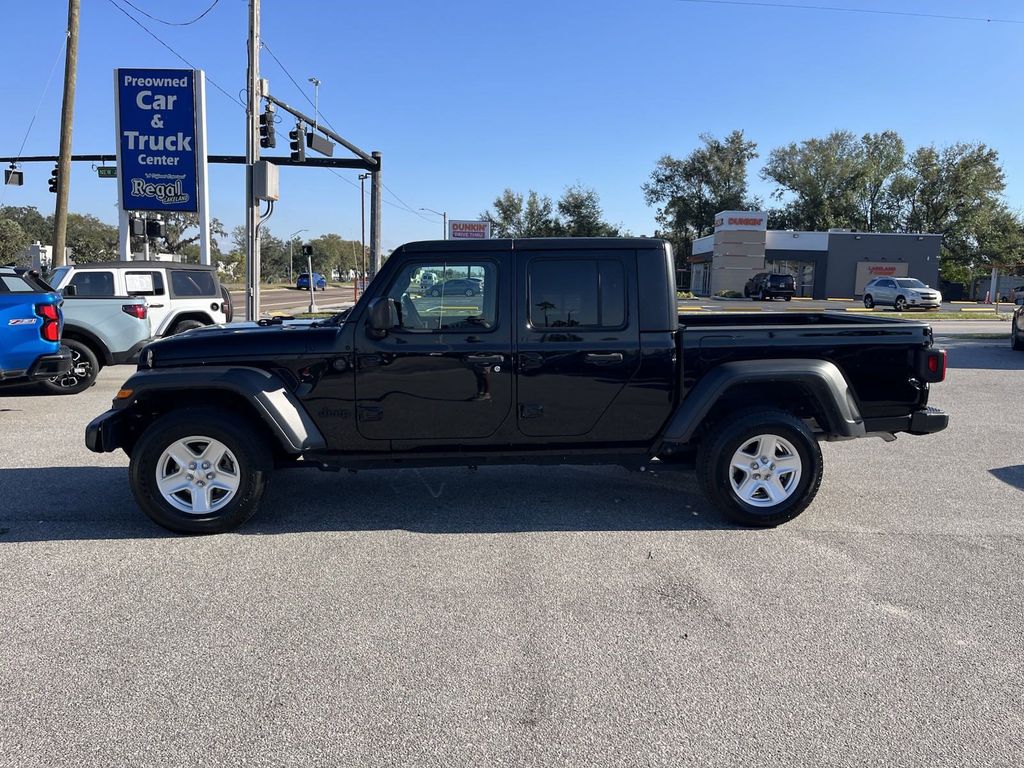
{"x": 563, "y": 616}
{"x": 287, "y": 300}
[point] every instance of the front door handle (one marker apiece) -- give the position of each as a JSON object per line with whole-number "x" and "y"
{"x": 603, "y": 358}
{"x": 484, "y": 359}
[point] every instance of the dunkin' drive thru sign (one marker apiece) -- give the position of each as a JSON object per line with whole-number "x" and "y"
{"x": 157, "y": 127}
{"x": 468, "y": 230}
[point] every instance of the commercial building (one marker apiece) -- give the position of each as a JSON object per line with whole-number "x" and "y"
{"x": 834, "y": 264}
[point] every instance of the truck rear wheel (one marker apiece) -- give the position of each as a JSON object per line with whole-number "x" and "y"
{"x": 198, "y": 470}
{"x": 761, "y": 468}
{"x": 85, "y": 367}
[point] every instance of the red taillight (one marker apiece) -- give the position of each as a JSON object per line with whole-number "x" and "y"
{"x": 135, "y": 310}
{"x": 50, "y": 330}
{"x": 936, "y": 365}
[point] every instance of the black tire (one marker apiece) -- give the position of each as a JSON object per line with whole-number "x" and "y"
{"x": 763, "y": 297}
{"x": 185, "y": 325}
{"x": 789, "y": 298}
{"x": 714, "y": 470}
{"x": 435, "y": 293}
{"x": 85, "y": 367}
{"x": 470, "y": 292}
{"x": 1015, "y": 341}
{"x": 746, "y": 291}
{"x": 869, "y": 301}
{"x": 252, "y": 463}
{"x": 900, "y": 305}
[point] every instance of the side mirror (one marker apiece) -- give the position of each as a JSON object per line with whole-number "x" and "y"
{"x": 380, "y": 318}
{"x": 69, "y": 290}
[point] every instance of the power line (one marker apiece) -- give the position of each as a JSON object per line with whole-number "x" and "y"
{"x": 840, "y": 9}
{"x": 172, "y": 23}
{"x": 404, "y": 206}
{"x": 156, "y": 37}
{"x": 35, "y": 114}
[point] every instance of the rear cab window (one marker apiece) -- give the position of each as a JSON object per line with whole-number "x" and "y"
{"x": 144, "y": 283}
{"x": 13, "y": 283}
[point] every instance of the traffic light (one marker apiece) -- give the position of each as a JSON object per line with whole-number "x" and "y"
{"x": 154, "y": 228}
{"x": 307, "y": 250}
{"x": 53, "y": 180}
{"x": 298, "y": 143}
{"x": 267, "y": 135}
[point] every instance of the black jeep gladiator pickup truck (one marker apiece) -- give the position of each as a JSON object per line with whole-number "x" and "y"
{"x": 563, "y": 351}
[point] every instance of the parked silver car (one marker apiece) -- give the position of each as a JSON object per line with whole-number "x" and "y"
{"x": 900, "y": 293}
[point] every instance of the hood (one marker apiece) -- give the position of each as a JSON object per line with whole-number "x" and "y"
{"x": 242, "y": 342}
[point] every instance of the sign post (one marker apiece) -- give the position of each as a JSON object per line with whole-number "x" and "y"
{"x": 161, "y": 147}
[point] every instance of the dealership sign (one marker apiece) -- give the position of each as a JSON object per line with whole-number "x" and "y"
{"x": 736, "y": 220}
{"x": 468, "y": 230}
{"x": 160, "y": 126}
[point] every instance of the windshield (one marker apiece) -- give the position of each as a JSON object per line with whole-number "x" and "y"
{"x": 910, "y": 282}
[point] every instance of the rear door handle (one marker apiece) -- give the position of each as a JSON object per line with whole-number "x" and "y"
{"x": 603, "y": 358}
{"x": 484, "y": 359}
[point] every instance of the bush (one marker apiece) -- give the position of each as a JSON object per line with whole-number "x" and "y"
{"x": 730, "y": 294}
{"x": 684, "y": 295}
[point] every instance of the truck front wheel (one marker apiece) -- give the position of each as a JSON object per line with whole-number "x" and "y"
{"x": 198, "y": 470}
{"x": 761, "y": 468}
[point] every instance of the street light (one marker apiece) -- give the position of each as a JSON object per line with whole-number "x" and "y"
{"x": 291, "y": 242}
{"x": 316, "y": 100}
{"x": 444, "y": 216}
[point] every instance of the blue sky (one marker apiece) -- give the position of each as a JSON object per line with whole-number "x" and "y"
{"x": 464, "y": 99}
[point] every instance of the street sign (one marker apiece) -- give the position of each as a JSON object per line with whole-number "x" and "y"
{"x": 157, "y": 157}
{"x": 107, "y": 171}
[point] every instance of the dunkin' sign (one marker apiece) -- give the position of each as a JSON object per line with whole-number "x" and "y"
{"x": 733, "y": 220}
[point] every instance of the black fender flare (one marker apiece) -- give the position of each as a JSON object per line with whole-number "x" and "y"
{"x": 821, "y": 379}
{"x": 279, "y": 408}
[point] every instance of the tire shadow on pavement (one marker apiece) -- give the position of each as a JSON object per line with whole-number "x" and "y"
{"x": 86, "y": 503}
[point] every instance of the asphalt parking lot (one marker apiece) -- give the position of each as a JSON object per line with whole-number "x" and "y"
{"x": 564, "y": 616}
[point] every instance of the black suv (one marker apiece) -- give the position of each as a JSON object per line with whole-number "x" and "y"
{"x": 765, "y": 285}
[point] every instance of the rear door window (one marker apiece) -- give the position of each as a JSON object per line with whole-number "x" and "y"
{"x": 93, "y": 283}
{"x": 577, "y": 293}
{"x": 193, "y": 282}
{"x": 15, "y": 284}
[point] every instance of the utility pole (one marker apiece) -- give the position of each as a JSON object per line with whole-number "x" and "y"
{"x": 67, "y": 114}
{"x": 362, "y": 223}
{"x": 375, "y": 206}
{"x": 252, "y": 154}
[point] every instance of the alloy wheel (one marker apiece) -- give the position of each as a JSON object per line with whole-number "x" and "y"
{"x": 765, "y": 470}
{"x": 197, "y": 475}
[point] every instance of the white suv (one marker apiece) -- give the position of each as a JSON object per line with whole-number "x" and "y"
{"x": 900, "y": 293}
{"x": 181, "y": 296}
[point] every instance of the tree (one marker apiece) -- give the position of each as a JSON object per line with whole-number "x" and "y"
{"x": 580, "y": 214}
{"x": 825, "y": 178}
{"x": 957, "y": 192}
{"x": 90, "y": 239}
{"x": 35, "y": 226}
{"x": 882, "y": 160}
{"x": 514, "y": 219}
{"x": 690, "y": 191}
{"x": 13, "y": 241}
{"x": 330, "y": 252}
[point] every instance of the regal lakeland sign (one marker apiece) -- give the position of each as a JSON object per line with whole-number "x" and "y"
{"x": 157, "y": 126}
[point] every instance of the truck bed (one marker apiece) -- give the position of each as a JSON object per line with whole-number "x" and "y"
{"x": 874, "y": 353}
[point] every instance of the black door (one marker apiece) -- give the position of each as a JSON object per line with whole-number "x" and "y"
{"x": 444, "y": 370}
{"x": 578, "y": 342}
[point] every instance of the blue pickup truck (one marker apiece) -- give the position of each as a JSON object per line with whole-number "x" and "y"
{"x": 30, "y": 330}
